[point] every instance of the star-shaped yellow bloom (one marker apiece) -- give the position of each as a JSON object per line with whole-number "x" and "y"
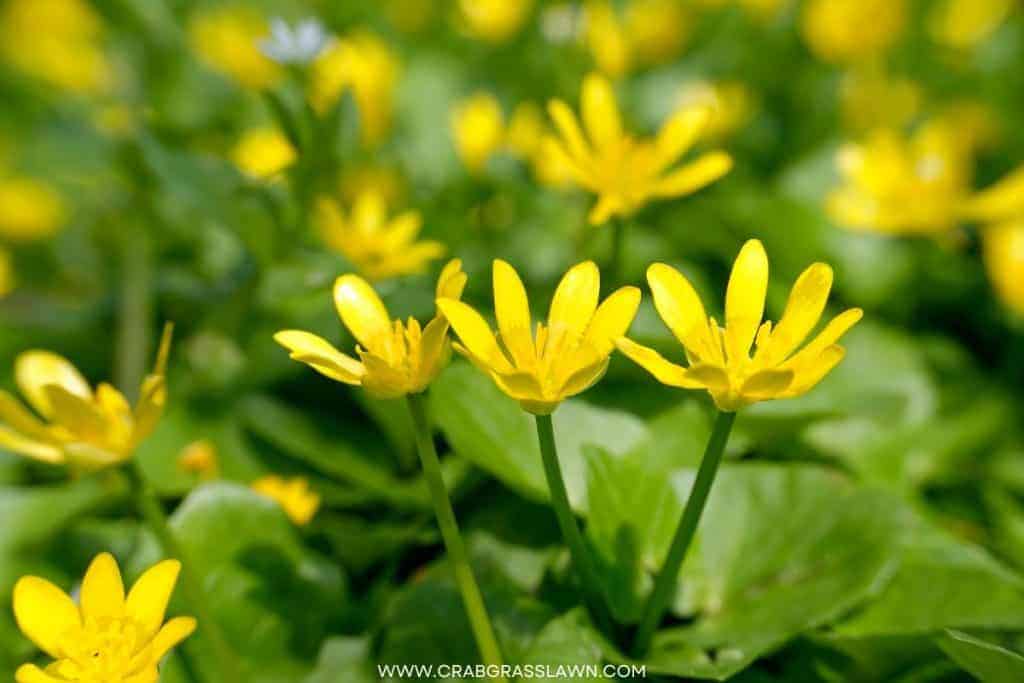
{"x": 623, "y": 171}
{"x": 719, "y": 357}
{"x": 380, "y": 248}
{"x": 85, "y": 429}
{"x": 108, "y": 637}
{"x": 394, "y": 359}
{"x": 293, "y": 495}
{"x": 565, "y": 357}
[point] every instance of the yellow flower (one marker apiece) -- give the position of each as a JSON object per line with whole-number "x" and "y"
{"x": 870, "y": 98}
{"x": 494, "y": 21}
{"x": 383, "y": 181}
{"x": 394, "y": 359}
{"x": 56, "y": 41}
{"x": 526, "y": 130}
{"x": 607, "y": 40}
{"x": 200, "y": 457}
{"x": 293, "y": 495}
{"x": 263, "y": 153}
{"x": 899, "y": 186}
{"x": 378, "y": 247}
{"x": 31, "y": 210}
{"x": 7, "y": 279}
{"x": 109, "y": 636}
{"x": 1003, "y": 249}
{"x": 83, "y": 428}
{"x": 227, "y": 39}
{"x": 565, "y": 357}
{"x": 719, "y": 358}
{"x": 626, "y": 173}
{"x": 657, "y": 29}
{"x": 845, "y": 31}
{"x": 364, "y": 63}
{"x": 478, "y": 128}
{"x": 965, "y": 23}
{"x": 730, "y": 104}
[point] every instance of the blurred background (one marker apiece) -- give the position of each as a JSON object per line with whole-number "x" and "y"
{"x": 218, "y": 164}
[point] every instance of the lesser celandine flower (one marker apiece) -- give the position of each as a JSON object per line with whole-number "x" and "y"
{"x": 730, "y": 104}
{"x": 108, "y": 637}
{"x": 1003, "y": 250}
{"x": 56, "y": 41}
{"x": 294, "y": 496}
{"x": 564, "y": 357}
{"x": 263, "y": 152}
{"x": 607, "y": 40}
{"x": 845, "y": 31}
{"x": 378, "y": 246}
{"x": 478, "y": 127}
{"x": 31, "y": 209}
{"x": 657, "y": 29}
{"x": 965, "y": 23}
{"x": 363, "y": 63}
{"x": 744, "y": 362}
{"x": 493, "y": 21}
{"x": 76, "y": 425}
{"x": 625, "y": 172}
{"x": 227, "y": 39}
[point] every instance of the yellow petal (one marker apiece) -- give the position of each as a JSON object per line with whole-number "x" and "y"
{"x": 520, "y": 385}
{"x": 114, "y": 406}
{"x": 164, "y": 351}
{"x": 45, "y": 613}
{"x": 89, "y": 457}
{"x": 832, "y": 332}
{"x": 369, "y": 213}
{"x": 34, "y": 370}
{"x": 569, "y": 128}
{"x": 321, "y": 355}
{"x": 712, "y": 377}
{"x": 681, "y": 309}
{"x": 612, "y": 319}
{"x": 452, "y": 281}
{"x": 607, "y": 206}
{"x": 475, "y": 334}
{"x": 148, "y": 598}
{"x": 803, "y": 310}
{"x": 583, "y": 379}
{"x": 1004, "y": 199}
{"x": 401, "y": 231}
{"x": 434, "y": 351}
{"x": 767, "y": 384}
{"x": 102, "y": 589}
{"x": 744, "y": 299}
{"x": 512, "y": 309}
{"x": 23, "y": 445}
{"x": 30, "y": 673}
{"x": 152, "y": 401}
{"x": 80, "y": 416}
{"x": 600, "y": 111}
{"x": 575, "y": 299}
{"x": 362, "y": 312}
{"x": 381, "y": 379}
{"x": 694, "y": 175}
{"x": 18, "y": 418}
{"x": 809, "y": 373}
{"x": 680, "y": 132}
{"x": 653, "y": 362}
{"x": 173, "y": 632}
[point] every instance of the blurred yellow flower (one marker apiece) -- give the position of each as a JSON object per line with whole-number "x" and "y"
{"x": 494, "y": 21}
{"x": 7, "y": 279}
{"x": 363, "y": 62}
{"x": 29, "y": 209}
{"x": 1003, "y": 249}
{"x": 227, "y": 39}
{"x": 263, "y": 152}
{"x": 478, "y": 127}
{"x": 293, "y": 495}
{"x": 526, "y": 130}
{"x": 200, "y": 458}
{"x": 383, "y": 181}
{"x": 871, "y": 98}
{"x": 657, "y": 29}
{"x": 82, "y": 428}
{"x": 624, "y": 172}
{"x": 108, "y": 636}
{"x": 730, "y": 104}
{"x": 563, "y": 358}
{"x": 845, "y": 31}
{"x": 1000, "y": 202}
{"x": 394, "y": 359}
{"x": 56, "y": 41}
{"x": 902, "y": 186}
{"x": 719, "y": 358}
{"x": 607, "y": 40}
{"x": 965, "y": 23}
{"x": 377, "y": 246}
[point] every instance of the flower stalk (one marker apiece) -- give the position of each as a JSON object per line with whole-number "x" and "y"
{"x": 472, "y": 599}
{"x": 664, "y": 587}
{"x": 581, "y": 558}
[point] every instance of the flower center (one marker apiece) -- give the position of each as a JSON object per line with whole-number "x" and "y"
{"x": 102, "y": 652}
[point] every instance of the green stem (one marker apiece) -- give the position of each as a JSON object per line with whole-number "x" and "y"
{"x": 471, "y": 596}
{"x": 152, "y": 511}
{"x": 618, "y": 255}
{"x": 664, "y": 587}
{"x": 581, "y": 559}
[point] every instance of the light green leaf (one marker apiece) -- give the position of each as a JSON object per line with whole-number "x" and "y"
{"x": 985, "y": 661}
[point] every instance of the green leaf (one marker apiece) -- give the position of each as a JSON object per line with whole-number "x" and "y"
{"x": 985, "y": 661}
{"x": 344, "y": 659}
{"x": 568, "y": 641}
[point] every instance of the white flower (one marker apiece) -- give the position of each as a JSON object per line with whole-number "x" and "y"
{"x": 298, "y": 45}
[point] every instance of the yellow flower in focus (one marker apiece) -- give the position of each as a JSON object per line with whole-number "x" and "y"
{"x": 844, "y": 31}
{"x": 607, "y": 40}
{"x": 657, "y": 29}
{"x": 963, "y": 24}
{"x": 565, "y": 357}
{"x": 378, "y": 247}
{"x": 1003, "y": 250}
{"x": 56, "y": 41}
{"x": 29, "y": 210}
{"x": 719, "y": 358}
{"x": 263, "y": 153}
{"x": 730, "y": 106}
{"x": 200, "y": 458}
{"x": 7, "y": 279}
{"x": 108, "y": 636}
{"x": 394, "y": 359}
{"x": 365, "y": 64}
{"x": 494, "y": 21}
{"x": 899, "y": 186}
{"x": 478, "y": 127}
{"x": 293, "y": 495}
{"x": 624, "y": 172}
{"x": 227, "y": 39}
{"x": 82, "y": 428}
{"x": 870, "y": 98}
